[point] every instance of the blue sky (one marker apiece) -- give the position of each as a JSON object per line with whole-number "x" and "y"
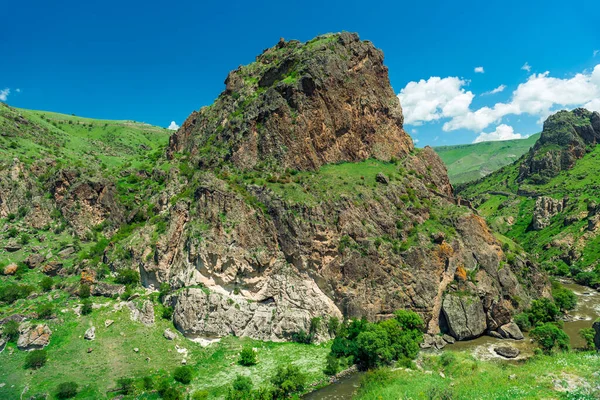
{"x": 157, "y": 62}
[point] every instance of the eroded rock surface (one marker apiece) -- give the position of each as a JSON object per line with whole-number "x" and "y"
{"x": 465, "y": 316}
{"x": 33, "y": 337}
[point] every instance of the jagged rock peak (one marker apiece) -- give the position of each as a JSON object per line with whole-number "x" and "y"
{"x": 299, "y": 106}
{"x": 565, "y": 138}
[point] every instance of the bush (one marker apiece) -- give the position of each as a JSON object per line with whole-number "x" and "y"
{"x": 86, "y": 307}
{"x": 171, "y": 393}
{"x": 127, "y": 277}
{"x": 333, "y": 326}
{"x": 564, "y": 298}
{"x": 46, "y": 283}
{"x": 148, "y": 383}
{"x": 240, "y": 389}
{"x": 165, "y": 288}
{"x": 36, "y": 359}
{"x": 550, "y": 337}
{"x": 167, "y": 313}
{"x": 11, "y": 293}
{"x": 200, "y": 395}
{"x": 588, "y": 334}
{"x": 44, "y": 310}
{"x": 288, "y": 380}
{"x": 543, "y": 310}
{"x": 84, "y": 291}
{"x": 523, "y": 321}
{"x": 183, "y": 374}
{"x": 125, "y": 385}
{"x": 66, "y": 390}
{"x": 332, "y": 365}
{"x": 11, "y": 330}
{"x": 248, "y": 356}
{"x": 447, "y": 358}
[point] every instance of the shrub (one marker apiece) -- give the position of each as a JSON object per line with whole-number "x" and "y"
{"x": 183, "y": 374}
{"x": 332, "y": 365}
{"x": 165, "y": 288}
{"x": 543, "y": 310}
{"x": 240, "y": 389}
{"x": 84, "y": 291}
{"x": 86, "y": 307}
{"x": 167, "y": 313}
{"x": 11, "y": 330}
{"x": 409, "y": 320}
{"x": 44, "y": 310}
{"x": 200, "y": 395}
{"x": 288, "y": 380}
{"x": 588, "y": 334}
{"x": 171, "y": 393}
{"x": 523, "y": 321}
{"x": 36, "y": 359}
{"x": 148, "y": 383}
{"x": 550, "y": 337}
{"x": 125, "y": 385}
{"x": 46, "y": 283}
{"x": 66, "y": 390}
{"x": 564, "y": 298}
{"x": 127, "y": 277}
{"x": 12, "y": 293}
{"x": 248, "y": 356}
{"x": 447, "y": 358}
{"x": 333, "y": 326}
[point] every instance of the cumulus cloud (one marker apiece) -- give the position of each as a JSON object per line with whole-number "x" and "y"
{"x": 435, "y": 98}
{"x": 494, "y": 91}
{"x": 502, "y": 132}
{"x": 173, "y": 126}
{"x": 4, "y": 94}
{"x": 479, "y": 70}
{"x": 526, "y": 67}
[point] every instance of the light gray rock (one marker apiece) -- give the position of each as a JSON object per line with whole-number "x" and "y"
{"x": 465, "y": 315}
{"x": 90, "y": 334}
{"x": 33, "y": 337}
{"x": 545, "y": 208}
{"x": 169, "y": 334}
{"x": 143, "y": 313}
{"x": 107, "y": 289}
{"x": 439, "y": 342}
{"x": 507, "y": 351}
{"x": 511, "y": 331}
{"x": 108, "y": 323}
{"x": 495, "y": 334}
{"x": 448, "y": 339}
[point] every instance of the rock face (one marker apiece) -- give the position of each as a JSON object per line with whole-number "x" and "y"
{"x": 546, "y": 208}
{"x": 143, "y": 313}
{"x": 507, "y": 351}
{"x": 256, "y": 247}
{"x": 563, "y": 141}
{"x": 33, "y": 337}
{"x": 465, "y": 316}
{"x": 107, "y": 289}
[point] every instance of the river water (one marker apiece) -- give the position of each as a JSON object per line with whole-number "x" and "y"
{"x": 586, "y": 312}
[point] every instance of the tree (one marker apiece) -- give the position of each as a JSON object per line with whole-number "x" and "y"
{"x": 11, "y": 330}
{"x": 332, "y": 365}
{"x": 127, "y": 277}
{"x": 543, "y": 310}
{"x": 248, "y": 356}
{"x": 183, "y": 374}
{"x": 287, "y": 380}
{"x": 374, "y": 347}
{"x": 44, "y": 310}
{"x": 84, "y": 291}
{"x": 240, "y": 389}
{"x": 36, "y": 359}
{"x": 409, "y": 320}
{"x": 66, "y": 390}
{"x": 46, "y": 283}
{"x": 523, "y": 321}
{"x": 564, "y": 298}
{"x": 86, "y": 306}
{"x": 550, "y": 337}
{"x": 588, "y": 334}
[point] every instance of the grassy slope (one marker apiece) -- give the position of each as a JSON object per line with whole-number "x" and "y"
{"x": 542, "y": 377}
{"x": 468, "y": 162}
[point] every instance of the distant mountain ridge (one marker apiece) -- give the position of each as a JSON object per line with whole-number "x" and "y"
{"x": 469, "y": 162}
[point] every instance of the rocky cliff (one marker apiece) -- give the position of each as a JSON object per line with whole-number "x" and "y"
{"x": 300, "y": 196}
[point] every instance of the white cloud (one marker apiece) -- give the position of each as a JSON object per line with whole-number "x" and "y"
{"x": 173, "y": 126}
{"x": 497, "y": 90}
{"x": 502, "y": 132}
{"x": 435, "y": 98}
{"x": 18, "y": 90}
{"x": 415, "y": 141}
{"x": 526, "y": 67}
{"x": 479, "y": 70}
{"x": 4, "y": 94}
{"x": 414, "y": 131}
{"x": 596, "y": 52}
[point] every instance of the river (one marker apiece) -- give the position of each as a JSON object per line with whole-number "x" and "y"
{"x": 586, "y": 312}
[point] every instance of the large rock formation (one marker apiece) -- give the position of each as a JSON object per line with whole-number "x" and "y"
{"x": 546, "y": 208}
{"x": 257, "y": 240}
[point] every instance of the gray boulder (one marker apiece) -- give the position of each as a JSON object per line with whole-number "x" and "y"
{"x": 143, "y": 313}
{"x": 465, "y": 316}
{"x": 511, "y": 331}
{"x": 448, "y": 339}
{"x": 169, "y": 334}
{"x": 107, "y": 289}
{"x": 33, "y": 337}
{"x": 507, "y": 351}
{"x": 90, "y": 334}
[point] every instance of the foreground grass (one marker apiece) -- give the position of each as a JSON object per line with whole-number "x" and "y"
{"x": 572, "y": 375}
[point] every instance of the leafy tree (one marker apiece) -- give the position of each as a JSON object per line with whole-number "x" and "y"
{"x": 86, "y": 307}
{"x": 409, "y": 320}
{"x": 523, "y": 321}
{"x": 564, "y": 298}
{"x": 183, "y": 374}
{"x": 36, "y": 359}
{"x": 588, "y": 334}
{"x": 332, "y": 365}
{"x": 127, "y": 277}
{"x": 550, "y": 337}
{"x": 11, "y": 330}
{"x": 287, "y": 380}
{"x": 333, "y": 326}
{"x": 543, "y": 310}
{"x": 66, "y": 390}
{"x": 374, "y": 347}
{"x": 84, "y": 291}
{"x": 248, "y": 356}
{"x": 46, "y": 283}
{"x": 241, "y": 389}
{"x": 44, "y": 310}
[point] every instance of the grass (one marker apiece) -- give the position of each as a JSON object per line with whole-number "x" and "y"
{"x": 544, "y": 376}
{"x": 469, "y": 162}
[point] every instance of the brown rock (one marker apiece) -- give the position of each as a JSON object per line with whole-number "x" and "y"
{"x": 34, "y": 260}
{"x": 33, "y": 337}
{"x": 10, "y": 269}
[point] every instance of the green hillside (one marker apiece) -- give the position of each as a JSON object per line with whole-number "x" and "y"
{"x": 468, "y": 162}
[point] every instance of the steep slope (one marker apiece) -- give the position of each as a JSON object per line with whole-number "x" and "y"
{"x": 469, "y": 162}
{"x": 547, "y": 201}
{"x": 299, "y": 196}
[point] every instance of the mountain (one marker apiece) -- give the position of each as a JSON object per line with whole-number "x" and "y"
{"x": 469, "y": 162}
{"x": 547, "y": 201}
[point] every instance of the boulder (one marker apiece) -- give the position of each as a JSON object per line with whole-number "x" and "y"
{"x": 511, "y": 331}
{"x": 465, "y": 315}
{"x": 108, "y": 323}
{"x": 495, "y": 334}
{"x": 10, "y": 269}
{"x": 52, "y": 268}
{"x": 34, "y": 260}
{"x": 507, "y": 351}
{"x": 107, "y": 289}
{"x": 90, "y": 334}
{"x": 12, "y": 246}
{"x": 33, "y": 337}
{"x": 439, "y": 342}
{"x": 382, "y": 178}
{"x": 66, "y": 252}
{"x": 143, "y": 313}
{"x": 169, "y": 334}
{"x": 448, "y": 338}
